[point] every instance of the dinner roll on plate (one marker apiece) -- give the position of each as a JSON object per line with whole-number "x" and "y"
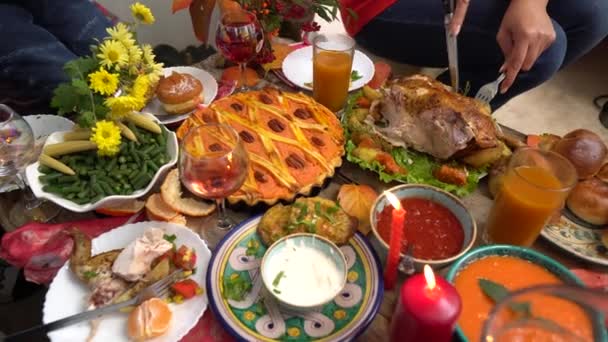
{"x": 585, "y": 150}
{"x": 179, "y": 93}
{"x": 589, "y": 201}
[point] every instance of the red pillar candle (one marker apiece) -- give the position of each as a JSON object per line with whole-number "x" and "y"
{"x": 427, "y": 309}
{"x": 394, "y": 250}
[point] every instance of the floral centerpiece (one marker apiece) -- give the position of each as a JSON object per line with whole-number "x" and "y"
{"x": 117, "y": 79}
{"x": 288, "y": 18}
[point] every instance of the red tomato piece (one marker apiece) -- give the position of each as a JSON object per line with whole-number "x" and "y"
{"x": 363, "y": 102}
{"x": 381, "y": 75}
{"x": 186, "y": 288}
{"x": 185, "y": 258}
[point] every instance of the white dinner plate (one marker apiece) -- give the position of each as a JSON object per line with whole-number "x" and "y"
{"x": 67, "y": 295}
{"x": 297, "y": 67}
{"x": 209, "y": 92}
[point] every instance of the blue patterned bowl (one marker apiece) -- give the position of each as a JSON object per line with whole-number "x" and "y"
{"x": 526, "y": 254}
{"x": 436, "y": 195}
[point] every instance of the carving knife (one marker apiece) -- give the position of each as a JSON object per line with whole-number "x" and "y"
{"x": 452, "y": 44}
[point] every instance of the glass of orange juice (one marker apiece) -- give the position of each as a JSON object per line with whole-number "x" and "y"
{"x": 332, "y": 63}
{"x": 534, "y": 187}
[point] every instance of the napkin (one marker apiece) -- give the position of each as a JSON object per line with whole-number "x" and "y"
{"x": 41, "y": 248}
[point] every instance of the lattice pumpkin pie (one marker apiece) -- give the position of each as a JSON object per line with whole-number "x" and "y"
{"x": 294, "y": 143}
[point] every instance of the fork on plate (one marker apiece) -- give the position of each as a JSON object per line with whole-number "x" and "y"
{"x": 159, "y": 289}
{"x": 487, "y": 92}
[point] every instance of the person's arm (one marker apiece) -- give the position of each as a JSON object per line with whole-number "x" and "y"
{"x": 525, "y": 33}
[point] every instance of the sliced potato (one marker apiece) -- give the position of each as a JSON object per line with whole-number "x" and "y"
{"x": 371, "y": 93}
{"x": 484, "y": 157}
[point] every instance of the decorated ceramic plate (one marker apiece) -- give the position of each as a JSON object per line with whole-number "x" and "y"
{"x": 209, "y": 93}
{"x": 297, "y": 67}
{"x": 255, "y": 316}
{"x": 577, "y": 238}
{"x": 68, "y": 296}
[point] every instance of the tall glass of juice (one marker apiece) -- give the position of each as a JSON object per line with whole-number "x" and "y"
{"x": 332, "y": 64}
{"x": 534, "y": 187}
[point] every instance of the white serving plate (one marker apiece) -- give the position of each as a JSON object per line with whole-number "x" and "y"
{"x": 67, "y": 295}
{"x": 209, "y": 92}
{"x": 297, "y": 67}
{"x": 32, "y": 174}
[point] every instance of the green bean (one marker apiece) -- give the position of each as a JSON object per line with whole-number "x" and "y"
{"x": 107, "y": 189}
{"x": 84, "y": 193}
{"x": 52, "y": 189}
{"x": 152, "y": 165}
{"x": 97, "y": 188}
{"x": 111, "y": 165}
{"x": 97, "y": 198}
{"x": 72, "y": 188}
{"x": 44, "y": 169}
{"x": 64, "y": 179}
{"x": 49, "y": 177}
{"x": 84, "y": 200}
{"x": 141, "y": 180}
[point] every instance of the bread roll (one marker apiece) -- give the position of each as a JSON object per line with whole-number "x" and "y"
{"x": 603, "y": 173}
{"x": 585, "y": 150}
{"x": 179, "y": 93}
{"x": 589, "y": 201}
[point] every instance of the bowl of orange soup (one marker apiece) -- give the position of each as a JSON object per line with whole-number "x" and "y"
{"x": 438, "y": 226}
{"x": 517, "y": 268}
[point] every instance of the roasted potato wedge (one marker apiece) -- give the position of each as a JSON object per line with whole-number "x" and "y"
{"x": 307, "y": 215}
{"x": 371, "y": 94}
{"x": 484, "y": 157}
{"x": 273, "y": 223}
{"x": 496, "y": 175}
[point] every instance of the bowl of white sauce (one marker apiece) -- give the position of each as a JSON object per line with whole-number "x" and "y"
{"x": 304, "y": 271}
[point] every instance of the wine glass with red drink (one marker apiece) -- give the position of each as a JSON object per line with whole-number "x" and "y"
{"x": 239, "y": 38}
{"x": 213, "y": 165}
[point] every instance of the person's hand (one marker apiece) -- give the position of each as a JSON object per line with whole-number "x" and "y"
{"x": 460, "y": 11}
{"x": 525, "y": 32}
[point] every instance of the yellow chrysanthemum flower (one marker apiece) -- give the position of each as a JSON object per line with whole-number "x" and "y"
{"x": 140, "y": 86}
{"x": 122, "y": 34}
{"x": 142, "y": 13}
{"x": 156, "y": 71}
{"x": 148, "y": 54}
{"x": 135, "y": 55}
{"x": 352, "y": 276}
{"x": 103, "y": 82}
{"x": 106, "y": 135}
{"x": 113, "y": 54}
{"x": 122, "y": 105}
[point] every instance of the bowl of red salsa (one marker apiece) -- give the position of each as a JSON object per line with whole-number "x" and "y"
{"x": 437, "y": 224}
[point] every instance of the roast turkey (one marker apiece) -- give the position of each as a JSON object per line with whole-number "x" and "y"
{"x": 421, "y": 113}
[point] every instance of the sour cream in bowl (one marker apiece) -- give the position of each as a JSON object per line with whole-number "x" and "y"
{"x": 304, "y": 271}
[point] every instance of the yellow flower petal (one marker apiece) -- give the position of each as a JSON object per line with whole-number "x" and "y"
{"x": 106, "y": 135}
{"x": 112, "y": 54}
{"x": 122, "y": 105}
{"x": 142, "y": 13}
{"x": 103, "y": 82}
{"x": 122, "y": 34}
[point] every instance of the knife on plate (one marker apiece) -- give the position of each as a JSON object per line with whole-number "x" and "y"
{"x": 452, "y": 44}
